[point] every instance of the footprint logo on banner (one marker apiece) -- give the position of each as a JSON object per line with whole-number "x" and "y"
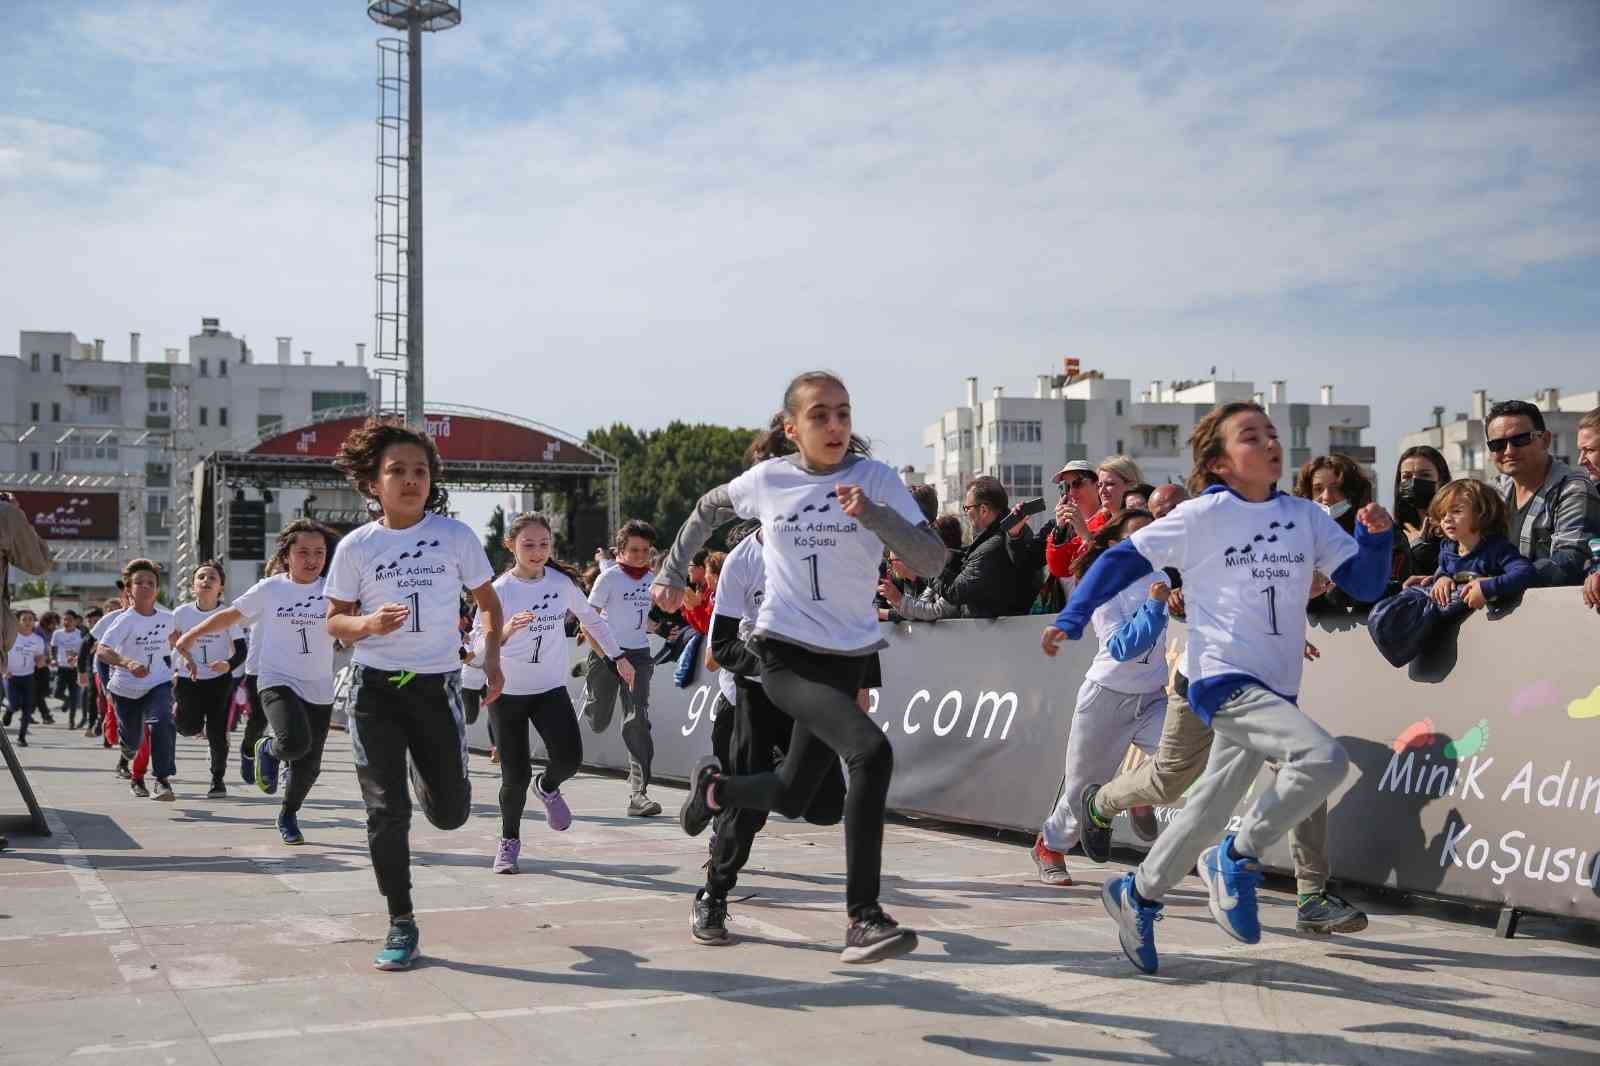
{"x": 1415, "y": 735}
{"x": 1469, "y": 743}
{"x": 1533, "y": 697}
{"x": 1588, "y": 707}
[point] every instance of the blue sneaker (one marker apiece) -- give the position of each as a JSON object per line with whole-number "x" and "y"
{"x": 289, "y": 828}
{"x": 1232, "y": 885}
{"x": 267, "y": 764}
{"x": 247, "y": 769}
{"x": 1136, "y": 925}
{"x": 400, "y": 948}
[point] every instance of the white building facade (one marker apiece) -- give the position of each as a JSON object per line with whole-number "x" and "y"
{"x": 1462, "y": 440}
{"x": 66, "y": 410}
{"x": 1024, "y": 440}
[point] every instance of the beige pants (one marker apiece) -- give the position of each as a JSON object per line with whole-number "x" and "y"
{"x": 1179, "y": 760}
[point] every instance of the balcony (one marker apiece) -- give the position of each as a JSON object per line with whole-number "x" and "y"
{"x": 1365, "y": 454}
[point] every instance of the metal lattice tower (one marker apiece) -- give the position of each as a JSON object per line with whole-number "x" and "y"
{"x": 399, "y": 197}
{"x": 180, "y": 457}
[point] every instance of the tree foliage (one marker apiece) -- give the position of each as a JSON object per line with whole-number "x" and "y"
{"x": 665, "y": 471}
{"x": 494, "y": 542}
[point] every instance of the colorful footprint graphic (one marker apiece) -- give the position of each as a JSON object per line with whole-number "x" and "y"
{"x": 1588, "y": 707}
{"x": 1533, "y": 697}
{"x": 1469, "y": 743}
{"x": 1415, "y": 735}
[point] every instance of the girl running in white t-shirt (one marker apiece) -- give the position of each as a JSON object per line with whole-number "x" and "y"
{"x": 1122, "y": 699}
{"x": 827, "y": 512}
{"x": 203, "y": 689}
{"x": 1247, "y": 553}
{"x": 536, "y": 596}
{"x": 394, "y": 591}
{"x": 288, "y": 612}
{"x": 138, "y": 647}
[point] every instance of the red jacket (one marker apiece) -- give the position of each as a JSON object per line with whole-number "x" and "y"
{"x": 699, "y": 617}
{"x": 1059, "y": 558}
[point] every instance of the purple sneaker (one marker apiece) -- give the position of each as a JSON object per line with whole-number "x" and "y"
{"x": 556, "y": 811}
{"x": 505, "y": 858}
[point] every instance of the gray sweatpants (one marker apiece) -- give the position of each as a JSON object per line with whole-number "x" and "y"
{"x": 1104, "y": 723}
{"x": 1251, "y": 727}
{"x": 601, "y": 689}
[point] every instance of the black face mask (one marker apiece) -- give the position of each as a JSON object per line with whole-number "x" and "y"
{"x": 1418, "y": 492}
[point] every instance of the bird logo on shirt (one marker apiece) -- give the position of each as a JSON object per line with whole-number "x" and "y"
{"x": 392, "y": 567}
{"x": 293, "y": 609}
{"x": 1269, "y": 537}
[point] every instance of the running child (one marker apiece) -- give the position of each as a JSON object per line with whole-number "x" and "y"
{"x": 394, "y": 590}
{"x": 22, "y": 664}
{"x": 289, "y": 613}
{"x": 622, "y": 596}
{"x": 536, "y": 595}
{"x": 827, "y": 512}
{"x": 89, "y": 695}
{"x": 138, "y": 647}
{"x": 65, "y": 643}
{"x": 1120, "y": 701}
{"x": 1247, "y": 554}
{"x": 204, "y": 685}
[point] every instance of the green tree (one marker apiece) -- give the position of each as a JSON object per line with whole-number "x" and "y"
{"x": 494, "y": 542}
{"x": 664, "y": 472}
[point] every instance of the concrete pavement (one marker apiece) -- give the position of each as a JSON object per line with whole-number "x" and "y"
{"x": 186, "y": 933}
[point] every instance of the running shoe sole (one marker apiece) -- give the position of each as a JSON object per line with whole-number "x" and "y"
{"x": 1050, "y": 876}
{"x": 265, "y": 782}
{"x": 1143, "y": 822}
{"x": 892, "y": 948}
{"x": 696, "y": 790}
{"x": 396, "y": 965}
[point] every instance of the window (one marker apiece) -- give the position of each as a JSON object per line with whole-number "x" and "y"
{"x": 1074, "y": 432}
{"x": 324, "y": 401}
{"x": 222, "y": 416}
{"x": 55, "y": 412}
{"x": 1119, "y": 414}
{"x": 1344, "y": 435}
{"x": 1022, "y": 480}
{"x": 205, "y": 367}
{"x": 156, "y": 502}
{"x": 269, "y": 423}
{"x": 55, "y": 362}
{"x": 33, "y": 412}
{"x": 158, "y": 405}
{"x": 100, "y": 403}
{"x": 33, "y": 360}
{"x": 33, "y": 461}
{"x": 204, "y": 413}
{"x": 1119, "y": 449}
{"x": 1297, "y": 437}
{"x": 1016, "y": 431}
{"x": 222, "y": 368}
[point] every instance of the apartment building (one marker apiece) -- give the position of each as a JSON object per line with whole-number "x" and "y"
{"x": 1461, "y": 440}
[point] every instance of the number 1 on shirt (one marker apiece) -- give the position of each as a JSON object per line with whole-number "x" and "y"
{"x": 416, "y": 612}
{"x": 1271, "y": 593}
{"x": 816, "y": 585}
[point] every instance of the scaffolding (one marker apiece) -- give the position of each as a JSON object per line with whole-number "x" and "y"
{"x": 392, "y": 204}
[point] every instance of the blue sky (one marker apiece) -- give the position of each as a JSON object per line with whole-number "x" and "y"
{"x": 641, "y": 211}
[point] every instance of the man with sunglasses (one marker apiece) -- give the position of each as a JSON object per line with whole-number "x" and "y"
{"x": 1555, "y": 510}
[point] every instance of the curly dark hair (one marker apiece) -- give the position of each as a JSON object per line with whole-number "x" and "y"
{"x": 635, "y": 527}
{"x": 1108, "y": 535}
{"x": 286, "y": 535}
{"x": 361, "y": 455}
{"x": 1353, "y": 484}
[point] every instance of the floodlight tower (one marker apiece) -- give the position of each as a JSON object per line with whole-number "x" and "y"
{"x": 399, "y": 205}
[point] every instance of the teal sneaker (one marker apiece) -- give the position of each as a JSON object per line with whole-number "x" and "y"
{"x": 400, "y": 948}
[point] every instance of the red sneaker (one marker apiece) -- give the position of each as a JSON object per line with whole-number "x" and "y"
{"x": 1052, "y": 865}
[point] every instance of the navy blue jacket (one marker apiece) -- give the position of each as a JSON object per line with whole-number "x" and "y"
{"x": 1505, "y": 571}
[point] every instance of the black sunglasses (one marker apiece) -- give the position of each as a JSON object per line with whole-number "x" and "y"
{"x": 1520, "y": 440}
{"x": 1072, "y": 483}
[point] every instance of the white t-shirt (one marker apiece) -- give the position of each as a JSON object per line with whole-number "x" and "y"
{"x": 22, "y": 658}
{"x": 98, "y": 630}
{"x": 739, "y": 592}
{"x": 252, "y": 650}
{"x": 821, "y": 564}
{"x": 535, "y": 658}
{"x": 625, "y": 603}
{"x": 424, "y": 566}
{"x": 1246, "y": 577}
{"x": 143, "y": 638}
{"x": 291, "y": 622}
{"x": 64, "y": 647}
{"x": 211, "y": 648}
{"x": 1148, "y": 673}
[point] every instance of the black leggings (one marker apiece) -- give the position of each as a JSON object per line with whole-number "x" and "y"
{"x": 203, "y": 705}
{"x": 389, "y": 721}
{"x": 818, "y": 691}
{"x": 255, "y": 725}
{"x": 299, "y": 732}
{"x": 757, "y": 730}
{"x": 552, "y": 715}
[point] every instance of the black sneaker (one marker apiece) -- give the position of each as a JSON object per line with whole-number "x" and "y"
{"x": 136, "y": 786}
{"x": 1326, "y": 913}
{"x": 122, "y": 769}
{"x": 875, "y": 936}
{"x": 709, "y": 919}
{"x": 164, "y": 791}
{"x": 217, "y": 791}
{"x": 22, "y": 741}
{"x": 1095, "y": 837}
{"x": 696, "y": 813}
{"x": 642, "y": 806}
